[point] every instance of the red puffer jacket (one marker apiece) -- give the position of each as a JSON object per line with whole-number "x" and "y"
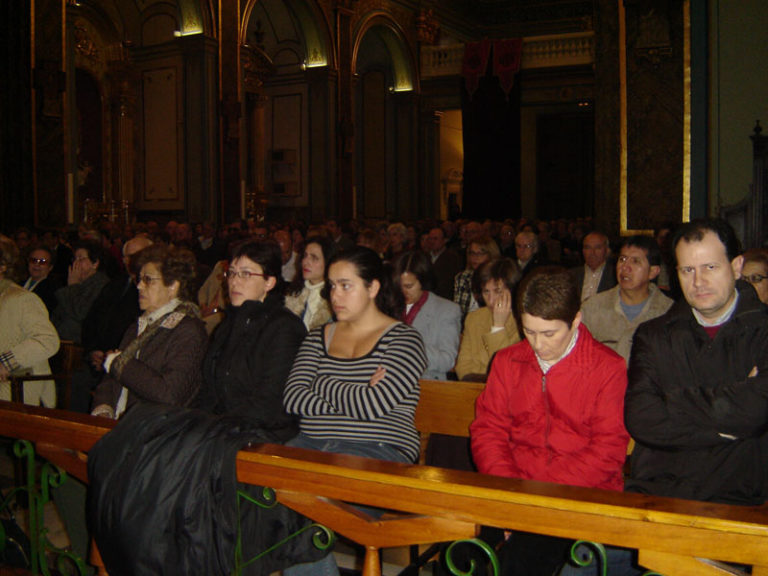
{"x": 566, "y": 426}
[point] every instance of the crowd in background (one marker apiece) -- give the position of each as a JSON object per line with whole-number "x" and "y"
{"x": 317, "y": 334}
{"x": 68, "y": 271}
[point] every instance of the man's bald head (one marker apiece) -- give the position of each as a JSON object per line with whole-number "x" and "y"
{"x": 131, "y": 247}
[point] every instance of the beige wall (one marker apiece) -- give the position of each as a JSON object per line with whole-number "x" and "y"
{"x": 451, "y": 142}
{"x": 451, "y": 150}
{"x": 738, "y": 94}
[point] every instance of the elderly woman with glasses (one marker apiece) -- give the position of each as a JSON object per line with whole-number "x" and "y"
{"x": 252, "y": 350}
{"x": 160, "y": 357}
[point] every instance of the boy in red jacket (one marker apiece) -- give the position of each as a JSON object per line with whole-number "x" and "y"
{"x": 552, "y": 409}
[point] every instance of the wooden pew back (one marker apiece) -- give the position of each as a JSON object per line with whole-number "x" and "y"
{"x": 447, "y": 407}
{"x": 440, "y": 504}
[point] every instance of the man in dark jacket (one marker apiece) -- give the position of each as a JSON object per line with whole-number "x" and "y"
{"x": 598, "y": 272}
{"x": 114, "y": 310}
{"x": 697, "y": 398}
{"x": 697, "y": 401}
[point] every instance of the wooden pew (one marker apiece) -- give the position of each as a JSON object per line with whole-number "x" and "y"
{"x": 438, "y": 505}
{"x": 447, "y": 407}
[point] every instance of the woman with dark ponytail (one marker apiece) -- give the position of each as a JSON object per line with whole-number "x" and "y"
{"x": 355, "y": 382}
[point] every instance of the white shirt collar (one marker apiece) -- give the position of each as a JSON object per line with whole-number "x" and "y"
{"x": 147, "y": 318}
{"x": 546, "y": 366}
{"x": 723, "y": 318}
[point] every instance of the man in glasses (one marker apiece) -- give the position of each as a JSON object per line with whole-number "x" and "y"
{"x": 41, "y": 281}
{"x": 755, "y": 271}
{"x": 527, "y": 251}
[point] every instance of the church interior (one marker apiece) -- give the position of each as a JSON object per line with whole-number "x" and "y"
{"x": 629, "y": 112}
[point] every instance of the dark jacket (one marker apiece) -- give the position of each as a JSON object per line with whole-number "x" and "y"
{"x": 248, "y": 362}
{"x": 607, "y": 280}
{"x": 447, "y": 265}
{"x": 163, "y": 498}
{"x": 112, "y": 313}
{"x": 167, "y": 370}
{"x": 46, "y": 291}
{"x": 74, "y": 302}
{"x": 699, "y": 420}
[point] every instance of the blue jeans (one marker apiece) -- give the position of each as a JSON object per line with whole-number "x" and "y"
{"x": 327, "y": 565}
{"x": 378, "y": 450}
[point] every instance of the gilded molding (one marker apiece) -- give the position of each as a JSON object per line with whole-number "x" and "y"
{"x": 653, "y": 50}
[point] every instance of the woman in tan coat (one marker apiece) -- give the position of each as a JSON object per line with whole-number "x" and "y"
{"x": 492, "y": 327}
{"x": 27, "y": 337}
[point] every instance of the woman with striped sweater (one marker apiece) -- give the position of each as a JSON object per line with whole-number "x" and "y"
{"x": 355, "y": 381}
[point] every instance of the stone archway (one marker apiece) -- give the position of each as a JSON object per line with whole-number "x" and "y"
{"x": 385, "y": 119}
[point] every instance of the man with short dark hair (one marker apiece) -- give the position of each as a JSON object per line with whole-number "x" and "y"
{"x": 507, "y": 240}
{"x": 287, "y": 254}
{"x": 343, "y": 242}
{"x": 446, "y": 263}
{"x": 613, "y": 316}
{"x": 697, "y": 401}
{"x": 552, "y": 409}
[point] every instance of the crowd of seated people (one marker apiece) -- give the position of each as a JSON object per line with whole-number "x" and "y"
{"x": 190, "y": 315}
{"x": 476, "y": 264}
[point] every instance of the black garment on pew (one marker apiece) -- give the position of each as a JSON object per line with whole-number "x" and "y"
{"x": 163, "y": 498}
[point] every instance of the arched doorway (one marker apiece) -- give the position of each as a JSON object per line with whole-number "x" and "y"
{"x": 386, "y": 165}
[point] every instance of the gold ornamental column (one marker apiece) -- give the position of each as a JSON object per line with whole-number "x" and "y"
{"x": 344, "y": 203}
{"x": 257, "y": 68}
{"x": 124, "y": 81}
{"x": 655, "y": 116}
{"x": 232, "y": 180}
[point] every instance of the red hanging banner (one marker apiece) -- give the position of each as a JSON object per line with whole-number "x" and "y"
{"x": 506, "y": 61}
{"x": 475, "y": 63}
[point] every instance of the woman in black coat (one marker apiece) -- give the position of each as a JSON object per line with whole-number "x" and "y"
{"x": 252, "y": 350}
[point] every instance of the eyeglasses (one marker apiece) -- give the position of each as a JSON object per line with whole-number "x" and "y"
{"x": 755, "y": 278}
{"x": 242, "y": 274}
{"x": 38, "y": 260}
{"x": 523, "y": 246}
{"x": 149, "y": 280}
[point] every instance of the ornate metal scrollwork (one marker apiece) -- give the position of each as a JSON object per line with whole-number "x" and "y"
{"x": 322, "y": 537}
{"x": 583, "y": 555}
{"x": 37, "y": 496}
{"x": 483, "y": 546}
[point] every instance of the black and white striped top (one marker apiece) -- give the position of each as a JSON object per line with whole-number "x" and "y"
{"x": 335, "y": 401}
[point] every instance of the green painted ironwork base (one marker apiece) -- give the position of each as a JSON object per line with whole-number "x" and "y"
{"x": 594, "y": 551}
{"x": 36, "y": 490}
{"x": 322, "y": 538}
